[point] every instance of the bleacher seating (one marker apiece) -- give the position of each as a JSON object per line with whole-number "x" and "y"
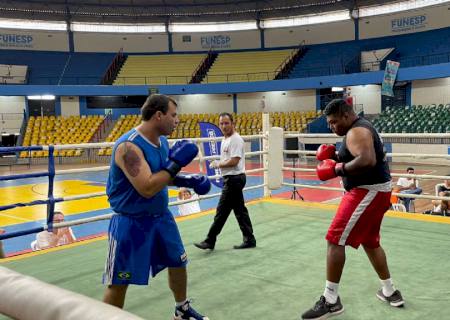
{"x": 124, "y": 124}
{"x": 247, "y": 123}
{"x": 59, "y": 130}
{"x": 246, "y": 66}
{"x": 337, "y": 58}
{"x": 415, "y": 119}
{"x": 48, "y": 67}
{"x": 158, "y": 69}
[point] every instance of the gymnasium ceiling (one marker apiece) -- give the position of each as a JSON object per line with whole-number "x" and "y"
{"x": 172, "y": 10}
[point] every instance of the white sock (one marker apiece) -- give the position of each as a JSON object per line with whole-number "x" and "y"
{"x": 388, "y": 287}
{"x": 178, "y": 304}
{"x": 331, "y": 291}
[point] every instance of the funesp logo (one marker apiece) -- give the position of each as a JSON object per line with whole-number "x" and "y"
{"x": 124, "y": 275}
{"x": 409, "y": 23}
{"x": 16, "y": 40}
{"x": 219, "y": 41}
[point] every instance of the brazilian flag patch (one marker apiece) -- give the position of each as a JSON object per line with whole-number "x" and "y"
{"x": 124, "y": 275}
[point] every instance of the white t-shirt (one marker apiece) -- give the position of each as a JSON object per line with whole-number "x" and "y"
{"x": 405, "y": 182}
{"x": 189, "y": 208}
{"x": 45, "y": 238}
{"x": 233, "y": 146}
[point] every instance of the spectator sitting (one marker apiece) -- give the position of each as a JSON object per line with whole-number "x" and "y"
{"x": 408, "y": 186}
{"x": 445, "y": 187}
{"x": 440, "y": 207}
{"x": 187, "y": 208}
{"x": 2, "y": 253}
{"x": 57, "y": 237}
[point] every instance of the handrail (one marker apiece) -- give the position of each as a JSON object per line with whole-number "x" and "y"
{"x": 112, "y": 66}
{"x": 288, "y": 58}
{"x": 200, "y": 65}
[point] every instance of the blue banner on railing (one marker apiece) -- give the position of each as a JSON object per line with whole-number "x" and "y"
{"x": 390, "y": 73}
{"x": 211, "y": 148}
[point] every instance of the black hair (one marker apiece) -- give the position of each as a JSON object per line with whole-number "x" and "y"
{"x": 409, "y": 168}
{"x": 337, "y": 107}
{"x": 155, "y": 102}
{"x": 226, "y": 114}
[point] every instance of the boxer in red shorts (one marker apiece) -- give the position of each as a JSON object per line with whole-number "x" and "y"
{"x": 361, "y": 162}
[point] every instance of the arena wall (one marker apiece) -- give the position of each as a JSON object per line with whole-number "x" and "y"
{"x": 367, "y": 95}
{"x": 277, "y": 101}
{"x": 223, "y": 41}
{"x": 425, "y": 19}
{"x": 13, "y": 39}
{"x": 430, "y": 91}
{"x": 311, "y": 34}
{"x": 130, "y": 43}
{"x": 70, "y": 106}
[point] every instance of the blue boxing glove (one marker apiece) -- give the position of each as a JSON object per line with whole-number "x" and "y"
{"x": 180, "y": 155}
{"x": 198, "y": 182}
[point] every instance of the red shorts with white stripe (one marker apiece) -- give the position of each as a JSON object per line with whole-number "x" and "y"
{"x": 358, "y": 218}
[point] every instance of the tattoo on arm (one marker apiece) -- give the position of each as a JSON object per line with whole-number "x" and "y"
{"x": 132, "y": 162}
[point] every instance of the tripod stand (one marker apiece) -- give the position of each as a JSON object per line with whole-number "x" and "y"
{"x": 295, "y": 192}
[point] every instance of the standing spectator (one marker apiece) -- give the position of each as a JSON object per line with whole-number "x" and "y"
{"x": 190, "y": 207}
{"x": 408, "y": 186}
{"x": 232, "y": 165}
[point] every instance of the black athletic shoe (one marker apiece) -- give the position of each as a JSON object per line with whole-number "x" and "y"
{"x": 395, "y": 300}
{"x": 204, "y": 245}
{"x": 246, "y": 245}
{"x": 324, "y": 310}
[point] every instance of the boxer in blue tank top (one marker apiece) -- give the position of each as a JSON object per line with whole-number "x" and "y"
{"x": 143, "y": 236}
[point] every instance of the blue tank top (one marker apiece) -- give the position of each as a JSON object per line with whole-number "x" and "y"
{"x": 122, "y": 196}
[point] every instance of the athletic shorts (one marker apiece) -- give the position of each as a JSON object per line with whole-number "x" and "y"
{"x": 358, "y": 218}
{"x": 142, "y": 246}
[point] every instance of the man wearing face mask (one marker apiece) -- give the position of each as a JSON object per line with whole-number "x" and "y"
{"x": 232, "y": 166}
{"x": 362, "y": 164}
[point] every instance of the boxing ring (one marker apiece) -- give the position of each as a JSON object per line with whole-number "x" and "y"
{"x": 277, "y": 280}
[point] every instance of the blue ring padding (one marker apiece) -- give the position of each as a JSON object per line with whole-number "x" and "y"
{"x": 24, "y": 176}
{"x": 32, "y": 203}
{"x": 20, "y": 233}
{"x": 17, "y": 149}
{"x": 51, "y": 179}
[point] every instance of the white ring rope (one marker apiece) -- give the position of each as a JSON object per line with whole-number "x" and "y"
{"x": 26, "y": 298}
{"x": 408, "y": 155}
{"x": 416, "y": 176}
{"x": 109, "y": 215}
{"x": 401, "y": 195}
{"x": 383, "y": 135}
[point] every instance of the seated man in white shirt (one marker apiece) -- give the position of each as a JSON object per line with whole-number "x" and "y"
{"x": 408, "y": 186}
{"x": 187, "y": 208}
{"x": 57, "y": 237}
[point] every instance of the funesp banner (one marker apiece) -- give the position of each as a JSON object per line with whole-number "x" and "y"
{"x": 211, "y": 148}
{"x": 390, "y": 73}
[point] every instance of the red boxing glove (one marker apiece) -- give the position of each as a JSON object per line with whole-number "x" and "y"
{"x": 326, "y": 151}
{"x": 329, "y": 169}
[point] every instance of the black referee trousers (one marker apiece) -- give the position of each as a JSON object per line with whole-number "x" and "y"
{"x": 232, "y": 198}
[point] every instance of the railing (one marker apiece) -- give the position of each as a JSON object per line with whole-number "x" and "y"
{"x": 113, "y": 68}
{"x": 203, "y": 67}
{"x": 281, "y": 71}
{"x": 240, "y": 77}
{"x": 409, "y": 61}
